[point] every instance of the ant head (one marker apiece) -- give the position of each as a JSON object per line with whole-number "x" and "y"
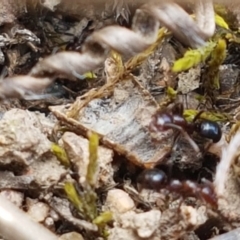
{"x": 152, "y": 179}
{"x": 159, "y": 121}
{"x": 163, "y": 118}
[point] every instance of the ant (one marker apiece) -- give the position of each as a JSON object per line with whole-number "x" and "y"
{"x": 172, "y": 118}
{"x": 156, "y": 179}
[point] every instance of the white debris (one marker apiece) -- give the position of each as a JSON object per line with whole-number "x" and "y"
{"x": 119, "y": 201}
{"x": 38, "y": 211}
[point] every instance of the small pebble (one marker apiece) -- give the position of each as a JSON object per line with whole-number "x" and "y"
{"x": 71, "y": 236}
{"x": 38, "y": 211}
{"x": 119, "y": 201}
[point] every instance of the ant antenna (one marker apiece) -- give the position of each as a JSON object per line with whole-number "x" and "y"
{"x": 185, "y": 134}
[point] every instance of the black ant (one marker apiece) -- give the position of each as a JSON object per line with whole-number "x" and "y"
{"x": 156, "y": 179}
{"x": 166, "y": 119}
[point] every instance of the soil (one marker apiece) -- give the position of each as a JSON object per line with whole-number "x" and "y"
{"x": 62, "y": 84}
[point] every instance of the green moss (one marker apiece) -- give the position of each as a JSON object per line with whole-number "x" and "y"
{"x": 93, "y": 156}
{"x": 193, "y": 57}
{"x": 189, "y": 115}
{"x": 61, "y": 154}
{"x": 85, "y": 201}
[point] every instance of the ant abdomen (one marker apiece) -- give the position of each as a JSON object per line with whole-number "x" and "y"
{"x": 154, "y": 179}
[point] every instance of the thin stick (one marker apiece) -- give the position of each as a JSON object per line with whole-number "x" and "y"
{"x": 232, "y": 235}
{"x": 17, "y": 225}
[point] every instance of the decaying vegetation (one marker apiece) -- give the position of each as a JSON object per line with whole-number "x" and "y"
{"x": 119, "y": 120}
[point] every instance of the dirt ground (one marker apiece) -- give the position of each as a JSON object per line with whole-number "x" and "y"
{"x": 112, "y": 127}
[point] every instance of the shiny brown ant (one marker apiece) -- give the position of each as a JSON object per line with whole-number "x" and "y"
{"x": 156, "y": 179}
{"x": 166, "y": 119}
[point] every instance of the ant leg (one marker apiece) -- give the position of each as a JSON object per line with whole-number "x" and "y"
{"x": 198, "y": 116}
{"x": 185, "y": 134}
{"x": 170, "y": 163}
{"x": 175, "y": 138}
{"x": 207, "y": 146}
{"x": 178, "y": 108}
{"x": 207, "y": 192}
{"x": 77, "y": 75}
